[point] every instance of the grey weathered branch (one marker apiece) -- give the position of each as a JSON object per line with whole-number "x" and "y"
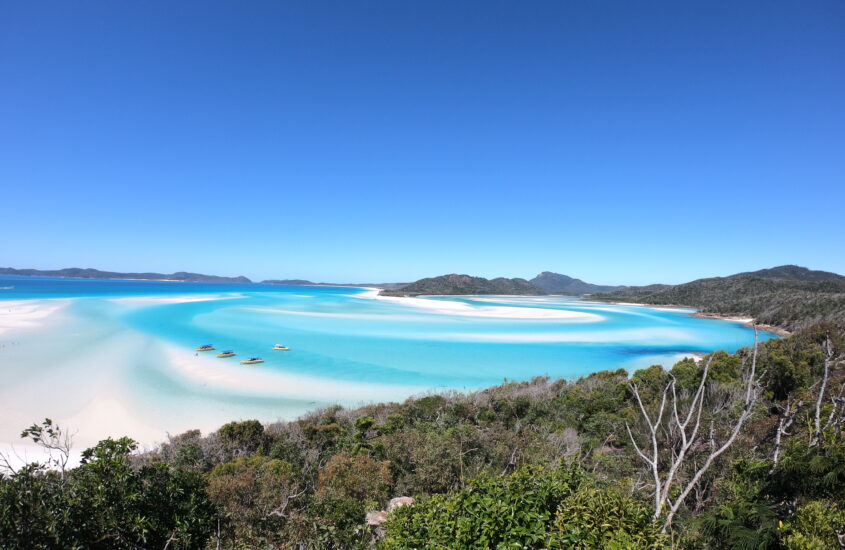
{"x": 827, "y": 346}
{"x": 786, "y": 420}
{"x": 683, "y": 436}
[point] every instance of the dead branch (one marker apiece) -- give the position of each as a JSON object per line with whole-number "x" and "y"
{"x": 681, "y": 436}
{"x": 827, "y": 346}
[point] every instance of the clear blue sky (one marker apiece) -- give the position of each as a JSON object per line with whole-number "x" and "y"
{"x": 615, "y": 141}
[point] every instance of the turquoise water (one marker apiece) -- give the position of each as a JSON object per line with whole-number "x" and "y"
{"x": 346, "y": 346}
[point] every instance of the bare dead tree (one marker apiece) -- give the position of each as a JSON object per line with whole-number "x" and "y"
{"x": 681, "y": 436}
{"x": 827, "y": 346}
{"x": 837, "y": 411}
{"x": 281, "y": 510}
{"x": 786, "y": 420}
{"x": 56, "y": 441}
{"x": 6, "y": 465}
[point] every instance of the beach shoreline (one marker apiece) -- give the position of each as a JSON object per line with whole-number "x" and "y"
{"x": 744, "y": 319}
{"x": 449, "y": 307}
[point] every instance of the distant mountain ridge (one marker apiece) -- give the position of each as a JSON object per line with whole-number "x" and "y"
{"x": 788, "y": 296}
{"x": 793, "y": 273}
{"x": 90, "y": 273}
{"x": 564, "y": 284}
{"x": 455, "y": 284}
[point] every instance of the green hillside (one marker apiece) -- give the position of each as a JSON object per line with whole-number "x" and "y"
{"x": 790, "y": 297}
{"x": 455, "y": 284}
{"x": 564, "y": 284}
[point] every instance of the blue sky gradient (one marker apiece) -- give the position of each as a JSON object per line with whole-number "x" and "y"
{"x": 618, "y": 142}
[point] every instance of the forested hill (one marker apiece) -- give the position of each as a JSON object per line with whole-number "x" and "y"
{"x": 564, "y": 284}
{"x": 794, "y": 273}
{"x": 789, "y": 297}
{"x": 464, "y": 284}
{"x": 89, "y": 273}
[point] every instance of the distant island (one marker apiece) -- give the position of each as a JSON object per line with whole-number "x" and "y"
{"x": 789, "y": 296}
{"x": 455, "y": 284}
{"x": 292, "y": 282}
{"x": 546, "y": 282}
{"x": 89, "y": 273}
{"x": 564, "y": 284}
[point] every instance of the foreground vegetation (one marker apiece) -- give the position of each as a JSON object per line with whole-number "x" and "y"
{"x": 748, "y": 451}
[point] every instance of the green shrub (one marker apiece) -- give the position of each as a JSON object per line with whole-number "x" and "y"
{"x": 595, "y": 517}
{"x": 815, "y": 527}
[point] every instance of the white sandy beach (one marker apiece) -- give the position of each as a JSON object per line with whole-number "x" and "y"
{"x": 27, "y": 313}
{"x": 743, "y": 320}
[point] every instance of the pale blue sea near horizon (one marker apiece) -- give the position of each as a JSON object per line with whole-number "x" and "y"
{"x": 346, "y": 347}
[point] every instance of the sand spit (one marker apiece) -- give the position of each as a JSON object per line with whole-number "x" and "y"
{"x": 447, "y": 307}
{"x": 747, "y": 321}
{"x": 151, "y": 300}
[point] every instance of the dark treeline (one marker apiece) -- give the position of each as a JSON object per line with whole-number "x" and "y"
{"x": 742, "y": 461}
{"x": 90, "y": 273}
{"x": 455, "y": 284}
{"x": 789, "y": 297}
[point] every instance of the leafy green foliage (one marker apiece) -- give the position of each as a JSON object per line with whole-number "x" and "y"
{"x": 816, "y": 526}
{"x": 105, "y": 504}
{"x": 516, "y": 511}
{"x": 242, "y": 438}
{"x": 601, "y": 517}
{"x": 531, "y": 508}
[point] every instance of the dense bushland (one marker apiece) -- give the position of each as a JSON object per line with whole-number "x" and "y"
{"x": 791, "y": 299}
{"x": 537, "y": 464}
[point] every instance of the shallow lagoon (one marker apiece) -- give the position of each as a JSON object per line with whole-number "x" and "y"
{"x": 117, "y": 357}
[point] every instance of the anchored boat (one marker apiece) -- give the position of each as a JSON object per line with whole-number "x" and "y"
{"x": 279, "y": 347}
{"x": 252, "y": 361}
{"x": 227, "y": 353}
{"x": 207, "y": 347}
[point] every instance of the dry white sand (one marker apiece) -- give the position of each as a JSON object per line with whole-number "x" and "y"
{"x": 27, "y": 313}
{"x": 743, "y": 320}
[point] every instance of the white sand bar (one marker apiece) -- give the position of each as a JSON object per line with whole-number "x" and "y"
{"x": 27, "y": 313}
{"x": 446, "y": 307}
{"x": 151, "y": 300}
